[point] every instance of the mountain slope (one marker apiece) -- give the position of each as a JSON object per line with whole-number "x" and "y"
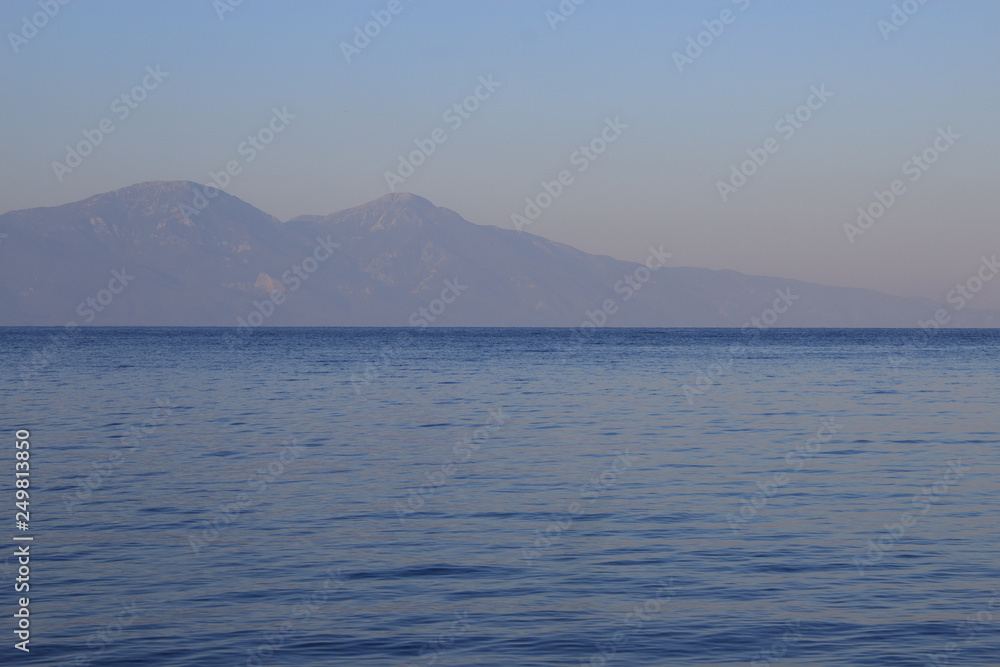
{"x": 188, "y": 269}
{"x": 219, "y": 261}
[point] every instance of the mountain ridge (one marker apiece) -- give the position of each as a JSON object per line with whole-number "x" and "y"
{"x": 217, "y": 260}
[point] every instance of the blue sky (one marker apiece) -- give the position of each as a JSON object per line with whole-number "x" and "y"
{"x": 657, "y": 183}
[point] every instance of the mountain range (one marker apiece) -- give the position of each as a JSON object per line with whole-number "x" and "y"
{"x": 166, "y": 254}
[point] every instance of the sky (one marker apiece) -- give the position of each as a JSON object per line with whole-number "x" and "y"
{"x": 627, "y": 124}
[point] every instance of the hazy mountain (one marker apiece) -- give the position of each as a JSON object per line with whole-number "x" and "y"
{"x": 192, "y": 260}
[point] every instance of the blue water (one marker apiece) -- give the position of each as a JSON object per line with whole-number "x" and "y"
{"x": 506, "y": 497}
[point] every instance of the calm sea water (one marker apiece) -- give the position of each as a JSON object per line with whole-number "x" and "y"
{"x": 506, "y": 497}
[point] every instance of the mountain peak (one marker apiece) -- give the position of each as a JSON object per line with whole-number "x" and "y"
{"x": 155, "y": 186}
{"x": 399, "y": 210}
{"x": 151, "y": 191}
{"x": 403, "y": 199}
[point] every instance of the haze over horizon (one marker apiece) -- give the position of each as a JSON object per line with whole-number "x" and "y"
{"x": 341, "y": 110}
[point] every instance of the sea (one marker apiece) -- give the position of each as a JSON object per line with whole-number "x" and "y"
{"x": 417, "y": 497}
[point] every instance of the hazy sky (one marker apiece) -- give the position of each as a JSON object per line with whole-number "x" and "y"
{"x": 555, "y": 88}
